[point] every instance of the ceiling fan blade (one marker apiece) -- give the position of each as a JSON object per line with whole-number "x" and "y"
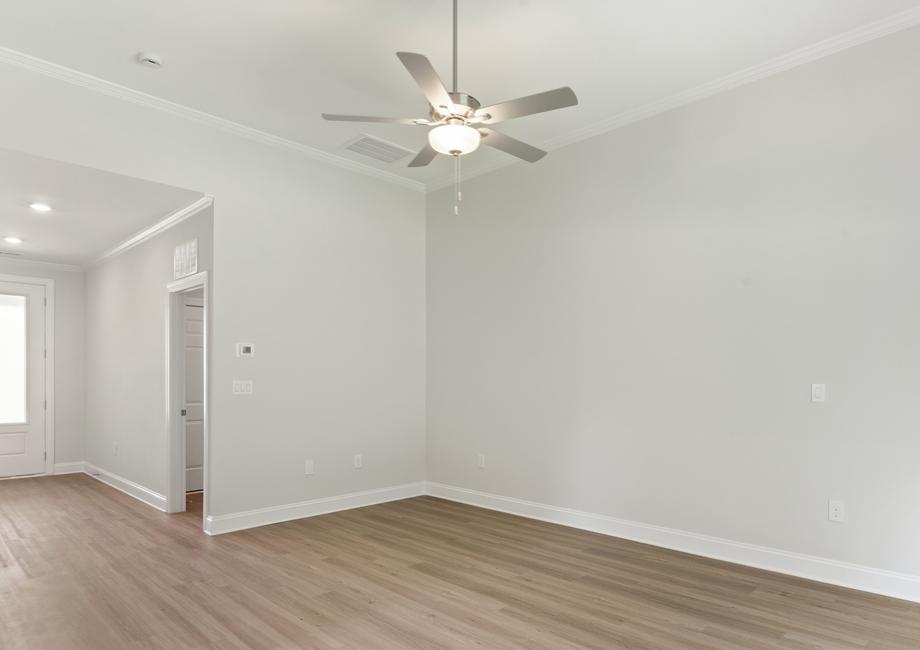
{"x": 428, "y": 80}
{"x": 332, "y": 117}
{"x": 539, "y": 103}
{"x": 425, "y": 156}
{"x": 511, "y": 145}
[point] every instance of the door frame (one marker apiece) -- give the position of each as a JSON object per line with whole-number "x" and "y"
{"x": 48, "y": 284}
{"x": 175, "y": 389}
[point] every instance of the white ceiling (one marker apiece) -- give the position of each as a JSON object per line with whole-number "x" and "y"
{"x": 276, "y": 65}
{"x": 93, "y": 210}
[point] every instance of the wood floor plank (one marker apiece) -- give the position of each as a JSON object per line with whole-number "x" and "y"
{"x": 85, "y": 566}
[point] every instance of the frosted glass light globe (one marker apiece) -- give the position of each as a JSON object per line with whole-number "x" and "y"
{"x": 454, "y": 139}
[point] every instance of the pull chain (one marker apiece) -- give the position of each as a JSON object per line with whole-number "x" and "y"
{"x": 459, "y": 196}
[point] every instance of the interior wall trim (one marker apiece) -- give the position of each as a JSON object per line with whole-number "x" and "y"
{"x": 40, "y": 264}
{"x": 835, "y": 572}
{"x": 75, "y": 77}
{"x": 68, "y": 468}
{"x": 857, "y": 36}
{"x": 834, "y": 44}
{"x": 842, "y": 574}
{"x": 218, "y": 524}
{"x": 120, "y": 483}
{"x": 168, "y": 222}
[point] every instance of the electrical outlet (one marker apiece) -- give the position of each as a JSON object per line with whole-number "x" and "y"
{"x": 481, "y": 461}
{"x": 242, "y": 387}
{"x": 359, "y": 461}
{"x": 308, "y": 467}
{"x": 836, "y": 510}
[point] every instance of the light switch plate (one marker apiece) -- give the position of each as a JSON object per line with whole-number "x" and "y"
{"x": 245, "y": 350}
{"x": 819, "y": 392}
{"x": 359, "y": 461}
{"x": 481, "y": 461}
{"x": 242, "y": 387}
{"x": 308, "y": 467}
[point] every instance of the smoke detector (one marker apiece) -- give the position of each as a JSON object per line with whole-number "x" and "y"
{"x": 149, "y": 59}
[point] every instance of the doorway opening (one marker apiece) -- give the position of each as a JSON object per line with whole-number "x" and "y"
{"x": 26, "y": 375}
{"x": 187, "y": 395}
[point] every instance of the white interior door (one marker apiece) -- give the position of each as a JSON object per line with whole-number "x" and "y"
{"x": 22, "y": 379}
{"x": 193, "y": 336}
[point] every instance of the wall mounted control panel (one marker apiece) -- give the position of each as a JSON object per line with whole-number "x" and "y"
{"x": 819, "y": 392}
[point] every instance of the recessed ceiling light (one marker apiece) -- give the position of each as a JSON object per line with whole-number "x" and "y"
{"x": 12, "y": 240}
{"x": 40, "y": 207}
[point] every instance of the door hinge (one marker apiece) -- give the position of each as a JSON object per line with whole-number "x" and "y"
{"x": 45, "y": 455}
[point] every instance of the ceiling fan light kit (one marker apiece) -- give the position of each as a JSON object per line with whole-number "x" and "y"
{"x": 458, "y": 122}
{"x": 454, "y": 139}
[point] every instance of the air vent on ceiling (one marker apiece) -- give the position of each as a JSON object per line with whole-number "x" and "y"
{"x": 368, "y": 145}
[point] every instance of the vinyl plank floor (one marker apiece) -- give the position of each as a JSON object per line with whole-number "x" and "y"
{"x": 85, "y": 566}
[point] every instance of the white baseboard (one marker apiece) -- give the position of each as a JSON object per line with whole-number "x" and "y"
{"x": 835, "y": 572}
{"x": 215, "y": 525}
{"x": 844, "y": 574}
{"x": 68, "y": 468}
{"x": 130, "y": 488}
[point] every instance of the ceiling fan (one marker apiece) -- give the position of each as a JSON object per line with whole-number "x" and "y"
{"x": 459, "y": 122}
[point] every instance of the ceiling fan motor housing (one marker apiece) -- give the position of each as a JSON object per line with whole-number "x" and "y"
{"x": 457, "y": 120}
{"x": 465, "y": 106}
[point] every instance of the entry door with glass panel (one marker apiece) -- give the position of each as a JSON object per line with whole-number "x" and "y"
{"x": 22, "y": 379}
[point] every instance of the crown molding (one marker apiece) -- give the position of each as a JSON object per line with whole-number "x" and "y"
{"x": 173, "y": 219}
{"x": 844, "y": 41}
{"x": 90, "y": 82}
{"x": 136, "y": 239}
{"x": 57, "y": 266}
{"x": 869, "y": 32}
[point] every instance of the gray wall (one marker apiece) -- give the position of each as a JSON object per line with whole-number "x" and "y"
{"x": 68, "y": 353}
{"x": 631, "y": 326}
{"x": 126, "y": 354}
{"x": 322, "y": 268}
